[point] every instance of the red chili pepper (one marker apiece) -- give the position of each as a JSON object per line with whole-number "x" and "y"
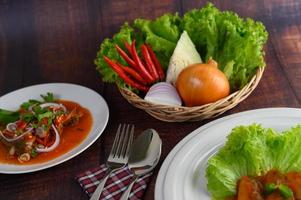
{"x": 122, "y": 75}
{"x": 45, "y": 140}
{"x": 149, "y": 63}
{"x": 49, "y": 143}
{"x": 142, "y": 70}
{"x": 39, "y": 140}
{"x": 9, "y": 134}
{"x": 21, "y": 124}
{"x": 156, "y": 62}
{"x": 128, "y": 47}
{"x": 132, "y": 73}
{"x": 126, "y": 57}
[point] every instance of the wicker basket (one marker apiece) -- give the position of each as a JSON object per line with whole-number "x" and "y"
{"x": 197, "y": 113}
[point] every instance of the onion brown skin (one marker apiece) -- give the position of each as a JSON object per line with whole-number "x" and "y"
{"x": 202, "y": 83}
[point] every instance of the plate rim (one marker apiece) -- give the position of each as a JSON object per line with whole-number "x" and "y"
{"x": 99, "y": 129}
{"x": 161, "y": 178}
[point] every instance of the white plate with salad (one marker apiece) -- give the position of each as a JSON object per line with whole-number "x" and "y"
{"x": 44, "y": 125}
{"x": 183, "y": 173}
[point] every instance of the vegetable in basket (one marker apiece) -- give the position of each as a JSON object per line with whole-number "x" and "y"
{"x": 235, "y": 43}
{"x": 140, "y": 74}
{"x": 203, "y": 83}
{"x": 163, "y": 93}
{"x": 184, "y": 55}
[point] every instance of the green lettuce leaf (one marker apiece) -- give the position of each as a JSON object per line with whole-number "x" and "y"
{"x": 162, "y": 34}
{"x": 227, "y": 38}
{"x": 252, "y": 151}
{"x": 285, "y": 150}
{"x": 107, "y": 48}
{"x": 202, "y": 27}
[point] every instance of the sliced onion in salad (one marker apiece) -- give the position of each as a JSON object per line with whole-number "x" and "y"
{"x": 41, "y": 132}
{"x": 45, "y": 105}
{"x": 12, "y": 127}
{"x": 28, "y": 130}
{"x": 53, "y": 146}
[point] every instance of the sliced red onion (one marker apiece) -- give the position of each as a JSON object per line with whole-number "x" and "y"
{"x": 18, "y": 137}
{"x": 53, "y": 146}
{"x": 163, "y": 93}
{"x": 12, "y": 127}
{"x": 45, "y": 105}
{"x": 40, "y": 132}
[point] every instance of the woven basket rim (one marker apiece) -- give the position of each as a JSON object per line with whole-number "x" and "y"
{"x": 204, "y": 105}
{"x": 171, "y": 113}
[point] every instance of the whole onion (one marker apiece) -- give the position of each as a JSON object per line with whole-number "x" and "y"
{"x": 200, "y": 84}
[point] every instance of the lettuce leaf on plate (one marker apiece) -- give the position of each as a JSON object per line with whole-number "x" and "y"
{"x": 285, "y": 150}
{"x": 252, "y": 151}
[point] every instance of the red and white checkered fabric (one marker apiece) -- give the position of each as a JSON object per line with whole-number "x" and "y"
{"x": 115, "y": 185}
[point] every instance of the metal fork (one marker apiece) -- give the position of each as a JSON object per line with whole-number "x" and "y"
{"x": 119, "y": 155}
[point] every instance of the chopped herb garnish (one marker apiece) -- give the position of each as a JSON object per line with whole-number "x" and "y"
{"x": 269, "y": 188}
{"x": 38, "y": 110}
{"x": 47, "y": 114}
{"x": 49, "y": 122}
{"x": 48, "y": 97}
{"x": 35, "y": 125}
{"x": 28, "y": 116}
{"x": 25, "y": 105}
{"x": 33, "y": 153}
{"x": 58, "y": 113}
{"x": 30, "y": 102}
{"x": 20, "y": 144}
{"x": 285, "y": 191}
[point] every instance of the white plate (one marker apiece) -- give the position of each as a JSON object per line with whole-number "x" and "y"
{"x": 182, "y": 175}
{"x": 82, "y": 95}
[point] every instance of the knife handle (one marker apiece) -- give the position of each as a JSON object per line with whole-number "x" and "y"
{"x": 127, "y": 192}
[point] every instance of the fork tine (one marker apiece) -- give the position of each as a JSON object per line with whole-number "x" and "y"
{"x": 116, "y": 140}
{"x": 130, "y": 141}
{"x": 120, "y": 142}
{"x": 125, "y": 141}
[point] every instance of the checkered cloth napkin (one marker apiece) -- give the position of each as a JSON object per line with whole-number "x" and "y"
{"x": 115, "y": 185}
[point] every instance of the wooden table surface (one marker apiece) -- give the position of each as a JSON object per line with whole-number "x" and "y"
{"x": 56, "y": 41}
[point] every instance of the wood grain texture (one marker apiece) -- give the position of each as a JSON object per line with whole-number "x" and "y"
{"x": 11, "y": 47}
{"x": 56, "y": 41}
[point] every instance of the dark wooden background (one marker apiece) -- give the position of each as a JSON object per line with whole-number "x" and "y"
{"x": 56, "y": 41}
